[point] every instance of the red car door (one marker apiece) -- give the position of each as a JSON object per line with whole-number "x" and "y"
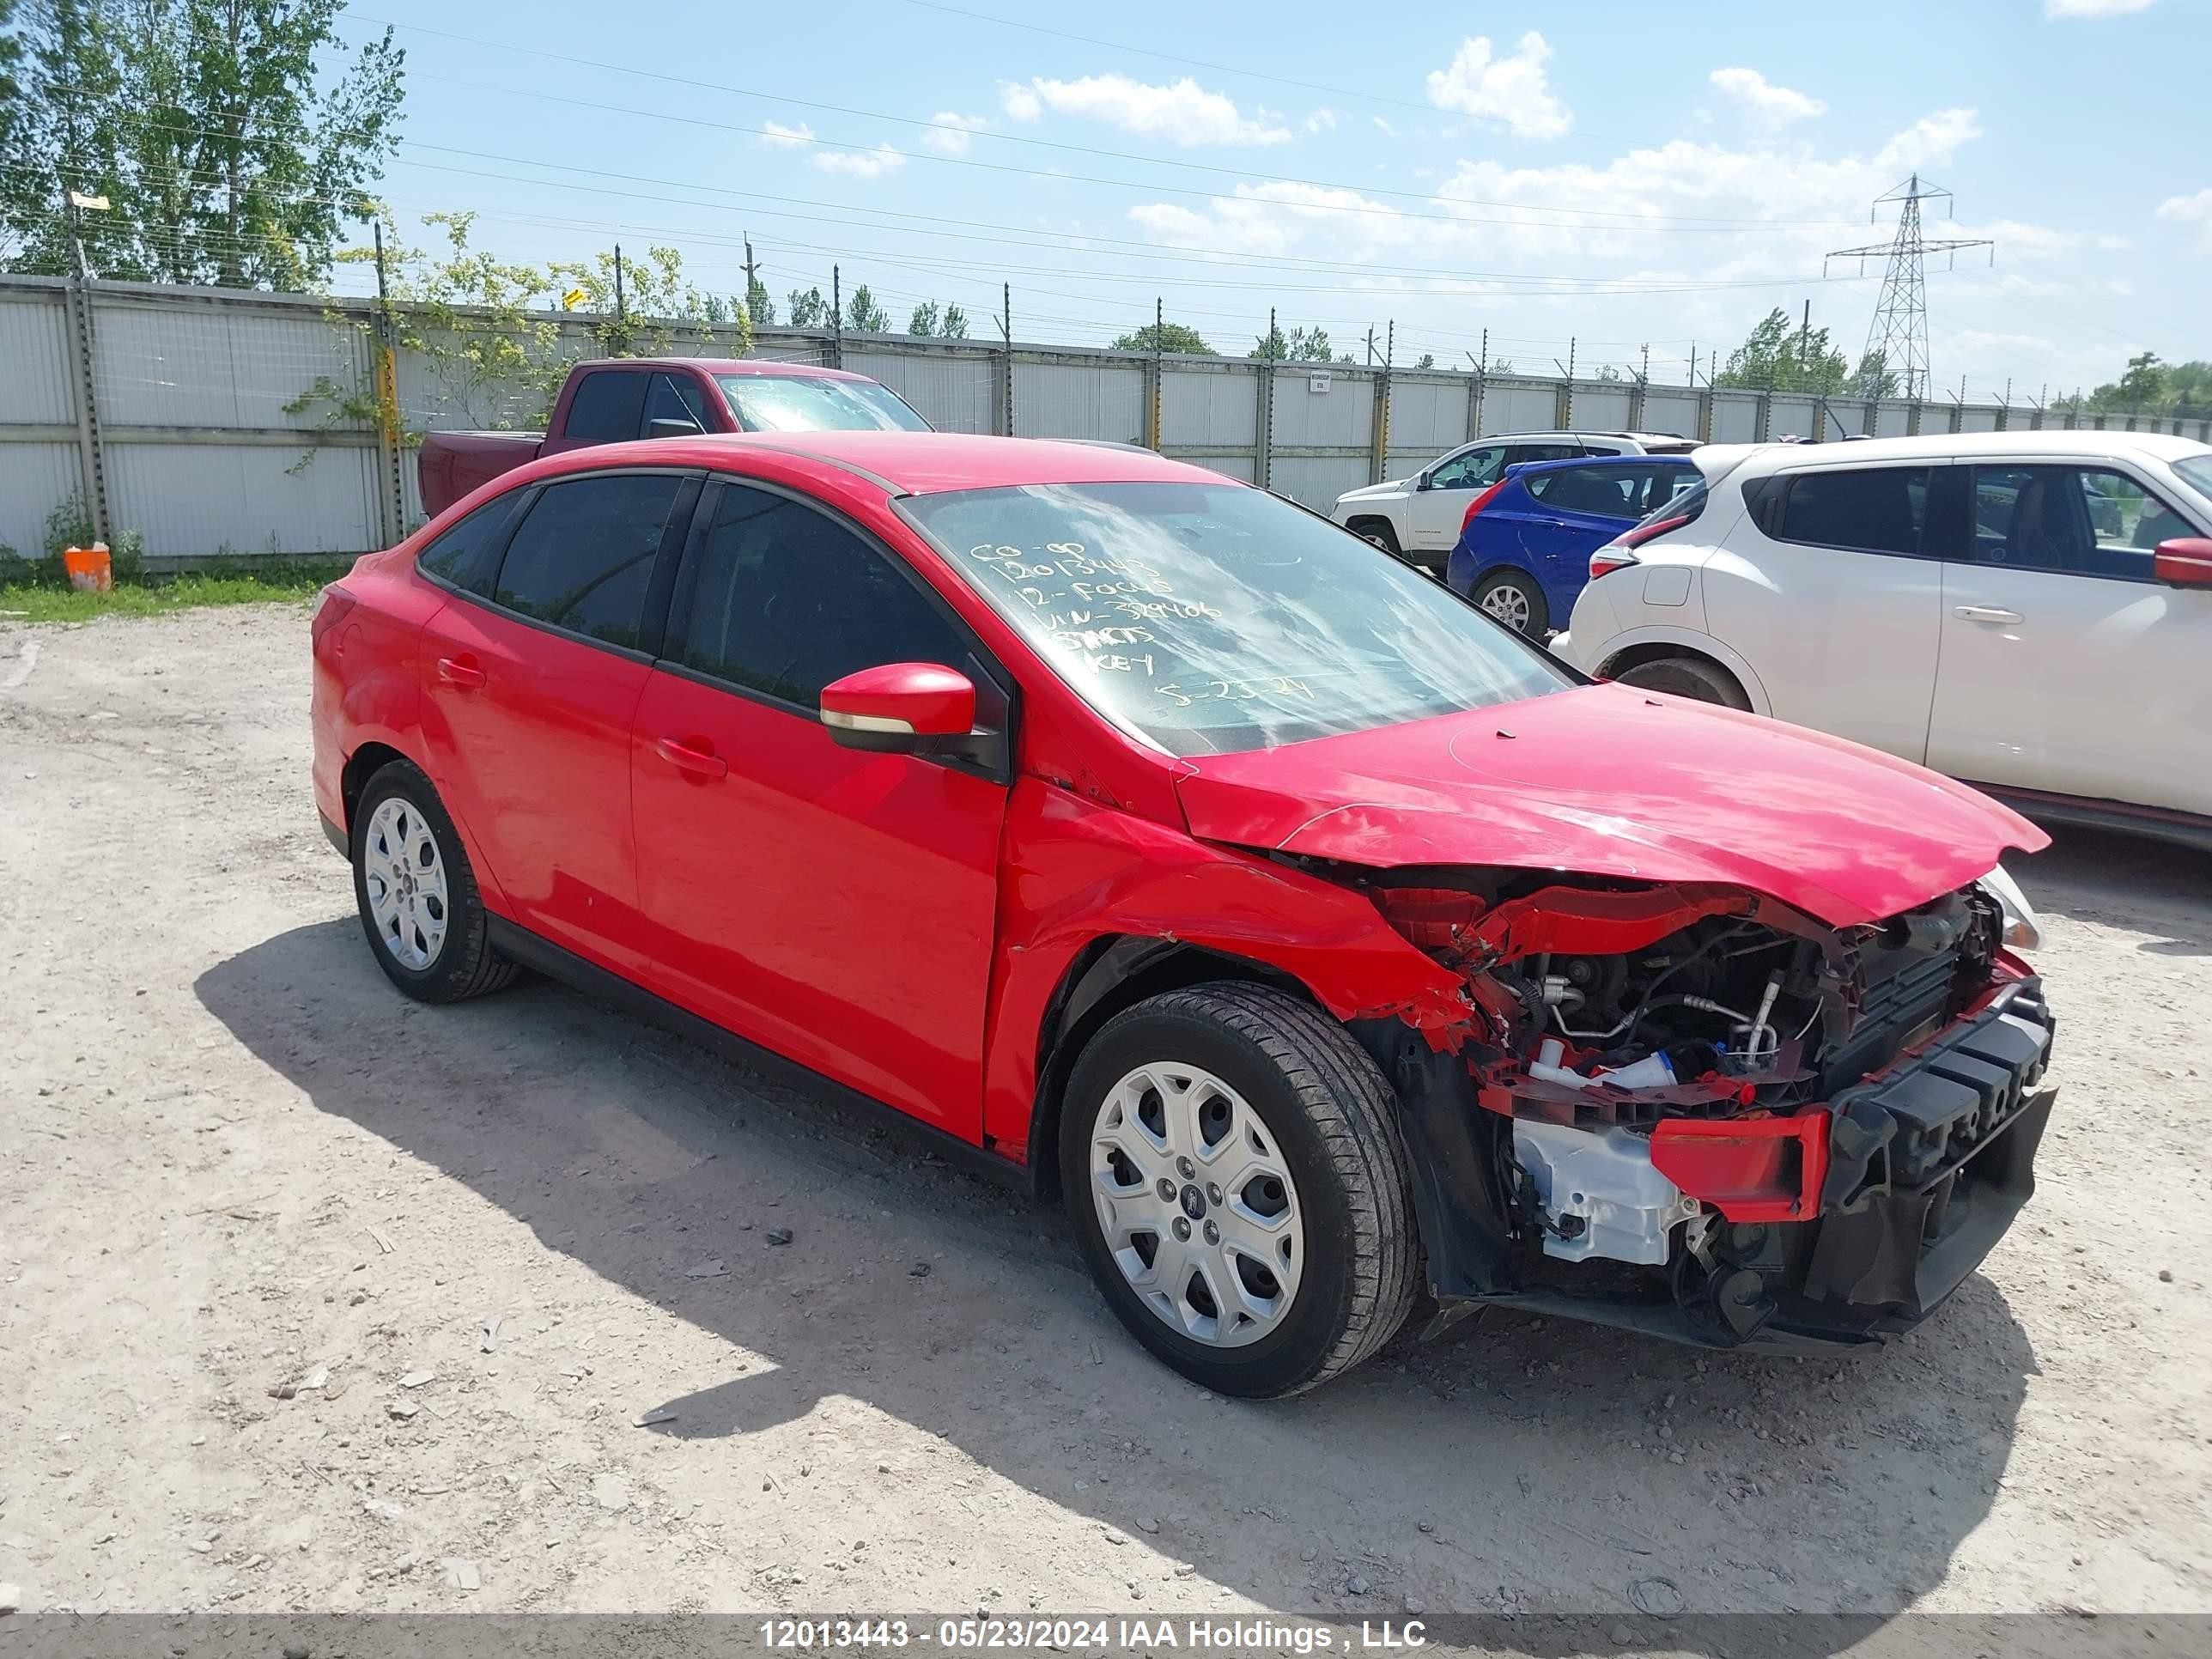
{"x": 531, "y": 675}
{"x": 834, "y": 906}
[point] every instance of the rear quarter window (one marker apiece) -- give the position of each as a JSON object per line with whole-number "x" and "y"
{"x": 467, "y": 556}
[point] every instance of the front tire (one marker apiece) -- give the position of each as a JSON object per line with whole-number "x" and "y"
{"x": 419, "y": 904}
{"x": 1687, "y": 677}
{"x": 1380, "y": 531}
{"x": 1236, "y": 1179}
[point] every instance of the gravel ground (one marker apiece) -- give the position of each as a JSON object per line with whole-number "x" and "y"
{"x": 314, "y": 1300}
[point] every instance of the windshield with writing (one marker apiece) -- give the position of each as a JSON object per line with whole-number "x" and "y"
{"x": 795, "y": 403}
{"x": 1215, "y": 618}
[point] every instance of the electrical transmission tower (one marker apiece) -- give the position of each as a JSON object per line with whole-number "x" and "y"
{"x": 1897, "y": 342}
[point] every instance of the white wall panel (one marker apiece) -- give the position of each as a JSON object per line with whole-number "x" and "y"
{"x": 1735, "y": 418}
{"x": 1209, "y": 408}
{"x": 34, "y": 479}
{"x": 245, "y": 499}
{"x": 1507, "y": 408}
{"x": 1066, "y": 400}
{"x": 36, "y": 376}
{"x": 953, "y": 394}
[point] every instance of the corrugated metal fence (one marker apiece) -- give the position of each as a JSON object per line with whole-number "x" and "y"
{"x": 215, "y": 421}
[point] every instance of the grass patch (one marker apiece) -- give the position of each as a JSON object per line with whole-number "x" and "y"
{"x": 45, "y": 600}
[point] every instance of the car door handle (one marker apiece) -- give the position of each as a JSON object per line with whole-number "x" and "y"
{"x": 1989, "y": 613}
{"x": 685, "y": 758}
{"x": 460, "y": 671}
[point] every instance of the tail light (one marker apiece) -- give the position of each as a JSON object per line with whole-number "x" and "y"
{"x": 1478, "y": 504}
{"x": 1620, "y": 551}
{"x": 330, "y": 608}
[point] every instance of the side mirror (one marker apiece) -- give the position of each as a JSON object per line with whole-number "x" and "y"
{"x": 671, "y": 428}
{"x": 2185, "y": 561}
{"x": 1420, "y": 481}
{"x": 901, "y": 709}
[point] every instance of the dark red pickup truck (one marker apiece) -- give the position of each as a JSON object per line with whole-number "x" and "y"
{"x": 615, "y": 399}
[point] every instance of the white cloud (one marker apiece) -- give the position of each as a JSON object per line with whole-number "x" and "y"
{"x": 1512, "y": 89}
{"x": 1930, "y": 141}
{"x": 1181, "y": 112}
{"x": 1769, "y": 105}
{"x": 2191, "y": 210}
{"x": 860, "y": 163}
{"x": 1384, "y": 127}
{"x": 1321, "y": 120}
{"x": 949, "y": 131}
{"x": 2094, "y": 7}
{"x": 784, "y": 138}
{"x": 1792, "y": 207}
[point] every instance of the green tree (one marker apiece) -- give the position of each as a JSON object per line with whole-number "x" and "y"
{"x": 231, "y": 137}
{"x": 1164, "y": 337}
{"x": 863, "y": 315}
{"x": 1300, "y": 345}
{"x": 1874, "y": 378}
{"x": 1780, "y": 357}
{"x": 925, "y": 319}
{"x": 657, "y": 307}
{"x": 759, "y": 308}
{"x": 1274, "y": 344}
{"x": 808, "y": 309}
{"x": 954, "y": 324}
{"x": 1428, "y": 360}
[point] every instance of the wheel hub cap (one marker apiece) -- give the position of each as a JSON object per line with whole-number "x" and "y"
{"x": 404, "y": 872}
{"x": 1197, "y": 1204}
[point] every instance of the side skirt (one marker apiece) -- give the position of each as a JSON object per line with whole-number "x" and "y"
{"x": 519, "y": 944}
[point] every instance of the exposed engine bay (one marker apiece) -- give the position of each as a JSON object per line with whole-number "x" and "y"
{"x": 1694, "y": 1111}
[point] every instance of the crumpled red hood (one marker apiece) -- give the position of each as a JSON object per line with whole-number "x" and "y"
{"x": 1611, "y": 780}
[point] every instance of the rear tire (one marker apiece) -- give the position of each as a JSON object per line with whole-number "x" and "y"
{"x": 1687, "y": 677}
{"x": 426, "y": 923}
{"x": 1514, "y": 599}
{"x": 1295, "y": 1101}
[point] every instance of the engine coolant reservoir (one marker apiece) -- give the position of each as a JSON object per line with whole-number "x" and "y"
{"x": 1605, "y": 1177}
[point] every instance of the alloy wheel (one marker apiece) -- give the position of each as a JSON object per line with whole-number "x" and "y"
{"x": 404, "y": 870}
{"x": 1509, "y": 605}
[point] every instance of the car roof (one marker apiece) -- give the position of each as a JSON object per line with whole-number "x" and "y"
{"x": 920, "y": 463}
{"x": 1718, "y": 459}
{"x": 1521, "y": 469}
{"x": 765, "y": 368}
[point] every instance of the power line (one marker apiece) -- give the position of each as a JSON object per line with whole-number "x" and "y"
{"x": 1717, "y": 224}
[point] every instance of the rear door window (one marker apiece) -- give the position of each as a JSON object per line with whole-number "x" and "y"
{"x": 1876, "y": 509}
{"x": 582, "y": 558}
{"x": 603, "y": 409}
{"x": 1609, "y": 491}
{"x": 1520, "y": 454}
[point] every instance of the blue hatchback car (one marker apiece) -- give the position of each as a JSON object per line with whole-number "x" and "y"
{"x": 1524, "y": 548}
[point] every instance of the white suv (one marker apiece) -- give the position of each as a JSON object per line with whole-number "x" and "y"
{"x": 2031, "y": 612}
{"x": 1418, "y": 518}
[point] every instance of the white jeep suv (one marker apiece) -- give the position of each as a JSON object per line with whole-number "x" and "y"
{"x": 2028, "y": 611}
{"x": 1418, "y": 518}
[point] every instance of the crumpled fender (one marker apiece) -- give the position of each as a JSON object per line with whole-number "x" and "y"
{"x": 1073, "y": 872}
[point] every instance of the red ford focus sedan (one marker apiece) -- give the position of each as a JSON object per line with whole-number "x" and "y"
{"x": 1169, "y": 848}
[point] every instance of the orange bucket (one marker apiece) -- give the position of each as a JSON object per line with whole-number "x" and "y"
{"x": 89, "y": 569}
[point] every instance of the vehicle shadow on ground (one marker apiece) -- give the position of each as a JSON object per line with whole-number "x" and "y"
{"x": 2126, "y": 881}
{"x": 1572, "y": 1468}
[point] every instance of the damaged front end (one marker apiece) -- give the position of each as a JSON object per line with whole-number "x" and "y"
{"x": 1696, "y": 1112}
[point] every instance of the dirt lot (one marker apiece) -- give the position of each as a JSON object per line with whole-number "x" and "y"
{"x": 234, "y": 1162}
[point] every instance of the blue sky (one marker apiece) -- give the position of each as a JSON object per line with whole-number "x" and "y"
{"x": 1622, "y": 175}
